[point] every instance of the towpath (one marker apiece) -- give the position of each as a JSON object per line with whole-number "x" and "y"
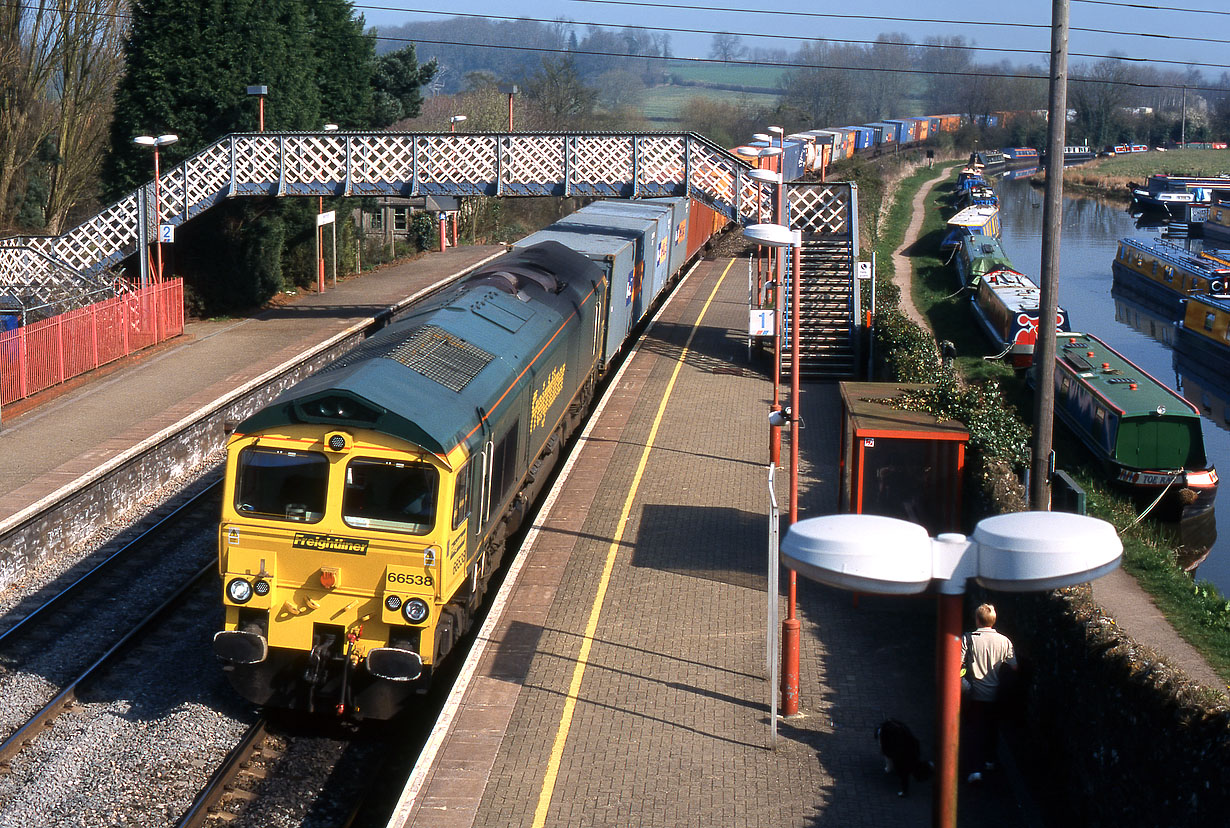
{"x": 1119, "y": 594}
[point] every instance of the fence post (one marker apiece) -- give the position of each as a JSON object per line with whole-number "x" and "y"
{"x": 23, "y": 363}
{"x": 60, "y": 346}
{"x": 94, "y": 330}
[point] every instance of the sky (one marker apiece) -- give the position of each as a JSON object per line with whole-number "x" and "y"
{"x": 1188, "y": 31}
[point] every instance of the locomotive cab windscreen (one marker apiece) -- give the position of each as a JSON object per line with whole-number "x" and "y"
{"x": 282, "y": 484}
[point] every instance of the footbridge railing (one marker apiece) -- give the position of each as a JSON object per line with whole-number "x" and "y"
{"x": 608, "y": 165}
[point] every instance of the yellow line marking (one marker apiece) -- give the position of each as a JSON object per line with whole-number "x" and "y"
{"x": 591, "y": 627}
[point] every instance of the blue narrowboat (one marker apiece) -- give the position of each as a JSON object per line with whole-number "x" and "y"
{"x": 1145, "y": 435}
{"x": 1006, "y": 304}
{"x": 1017, "y": 156}
{"x": 1160, "y": 275}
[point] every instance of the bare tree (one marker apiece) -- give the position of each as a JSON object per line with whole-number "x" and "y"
{"x": 28, "y": 49}
{"x": 1098, "y": 98}
{"x": 727, "y": 46}
{"x": 86, "y": 74}
{"x": 59, "y": 62}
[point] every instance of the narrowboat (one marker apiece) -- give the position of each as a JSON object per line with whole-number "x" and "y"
{"x": 991, "y": 158}
{"x": 1145, "y": 435}
{"x": 1217, "y": 223}
{"x": 982, "y": 220}
{"x": 1172, "y": 192}
{"x": 1160, "y": 275}
{"x": 1020, "y": 156}
{"x": 977, "y": 256}
{"x": 1203, "y": 334}
{"x": 1006, "y": 306}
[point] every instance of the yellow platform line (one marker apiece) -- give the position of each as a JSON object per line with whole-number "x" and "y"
{"x": 591, "y": 627}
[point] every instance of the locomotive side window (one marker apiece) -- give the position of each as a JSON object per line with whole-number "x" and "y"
{"x": 281, "y": 484}
{"x": 390, "y": 495}
{"x": 461, "y": 497}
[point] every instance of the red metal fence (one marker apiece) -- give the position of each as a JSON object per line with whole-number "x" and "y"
{"x": 37, "y": 356}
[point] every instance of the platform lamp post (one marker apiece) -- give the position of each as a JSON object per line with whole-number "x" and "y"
{"x": 1016, "y": 552}
{"x": 259, "y": 92}
{"x": 509, "y": 89}
{"x": 775, "y": 432}
{"x": 156, "y": 144}
{"x": 778, "y": 235}
{"x": 321, "y": 221}
{"x": 453, "y": 121}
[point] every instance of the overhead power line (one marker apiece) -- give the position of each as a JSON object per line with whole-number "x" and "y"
{"x": 1167, "y": 9}
{"x": 776, "y": 36}
{"x": 796, "y": 65}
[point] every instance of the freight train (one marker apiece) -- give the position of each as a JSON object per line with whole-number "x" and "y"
{"x": 366, "y": 508}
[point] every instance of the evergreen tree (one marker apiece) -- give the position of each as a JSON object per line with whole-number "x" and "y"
{"x": 189, "y": 63}
{"x": 399, "y": 77}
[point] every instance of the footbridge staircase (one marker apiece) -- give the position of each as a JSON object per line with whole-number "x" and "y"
{"x": 71, "y": 269}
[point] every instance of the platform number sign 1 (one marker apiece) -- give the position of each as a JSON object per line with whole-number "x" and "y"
{"x": 166, "y": 234}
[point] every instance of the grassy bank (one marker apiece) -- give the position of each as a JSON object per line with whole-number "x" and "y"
{"x": 1110, "y": 176}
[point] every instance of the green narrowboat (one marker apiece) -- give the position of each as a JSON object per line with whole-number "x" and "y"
{"x": 1147, "y": 437}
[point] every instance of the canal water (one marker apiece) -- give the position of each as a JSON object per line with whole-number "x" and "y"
{"x": 1090, "y": 235}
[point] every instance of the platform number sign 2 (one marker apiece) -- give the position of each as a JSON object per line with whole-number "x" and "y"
{"x": 166, "y": 234}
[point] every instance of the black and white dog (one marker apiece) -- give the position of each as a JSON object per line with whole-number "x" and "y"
{"x": 902, "y": 754}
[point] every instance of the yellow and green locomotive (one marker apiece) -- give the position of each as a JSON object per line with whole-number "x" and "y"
{"x": 366, "y": 507}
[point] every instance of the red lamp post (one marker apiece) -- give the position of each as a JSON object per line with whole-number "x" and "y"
{"x": 780, "y": 236}
{"x": 155, "y": 144}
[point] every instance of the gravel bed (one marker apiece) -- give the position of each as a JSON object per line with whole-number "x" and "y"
{"x": 140, "y": 743}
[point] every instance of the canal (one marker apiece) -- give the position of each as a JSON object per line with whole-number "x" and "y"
{"x": 1090, "y": 235}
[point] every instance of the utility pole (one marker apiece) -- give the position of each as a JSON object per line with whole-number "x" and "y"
{"x": 1052, "y": 214}
{"x": 1183, "y": 129}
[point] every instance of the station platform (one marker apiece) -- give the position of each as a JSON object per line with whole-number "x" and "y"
{"x": 66, "y": 432}
{"x": 621, "y": 676}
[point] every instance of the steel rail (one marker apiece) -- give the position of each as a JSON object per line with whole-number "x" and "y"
{"x": 210, "y": 795}
{"x": 26, "y": 734}
{"x": 104, "y": 565}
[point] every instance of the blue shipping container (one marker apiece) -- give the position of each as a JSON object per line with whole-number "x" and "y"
{"x": 617, "y": 258}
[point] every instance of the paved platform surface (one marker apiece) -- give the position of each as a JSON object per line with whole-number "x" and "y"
{"x": 622, "y": 675}
{"x": 54, "y": 438}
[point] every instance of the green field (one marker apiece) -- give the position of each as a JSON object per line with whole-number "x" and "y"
{"x": 1174, "y": 162}
{"x": 764, "y": 77}
{"x": 666, "y": 101}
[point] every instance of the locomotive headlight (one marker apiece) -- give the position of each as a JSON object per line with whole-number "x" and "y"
{"x": 415, "y": 610}
{"x": 393, "y": 603}
{"x": 261, "y": 588}
{"x": 239, "y": 591}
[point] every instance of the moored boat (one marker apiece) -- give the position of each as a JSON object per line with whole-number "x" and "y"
{"x": 1146, "y": 436}
{"x": 1203, "y": 334}
{"x": 982, "y": 220}
{"x": 1160, "y": 275}
{"x": 979, "y": 255}
{"x": 1017, "y": 156}
{"x": 1173, "y": 193}
{"x": 1217, "y": 222}
{"x": 1006, "y": 304}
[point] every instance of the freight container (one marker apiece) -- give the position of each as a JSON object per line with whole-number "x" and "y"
{"x": 793, "y": 160}
{"x": 863, "y": 136}
{"x": 886, "y": 134}
{"x": 934, "y": 122}
{"x": 642, "y": 230}
{"x": 703, "y": 223}
{"x": 680, "y": 208}
{"x": 617, "y": 257}
{"x": 904, "y": 133}
{"x": 643, "y": 214}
